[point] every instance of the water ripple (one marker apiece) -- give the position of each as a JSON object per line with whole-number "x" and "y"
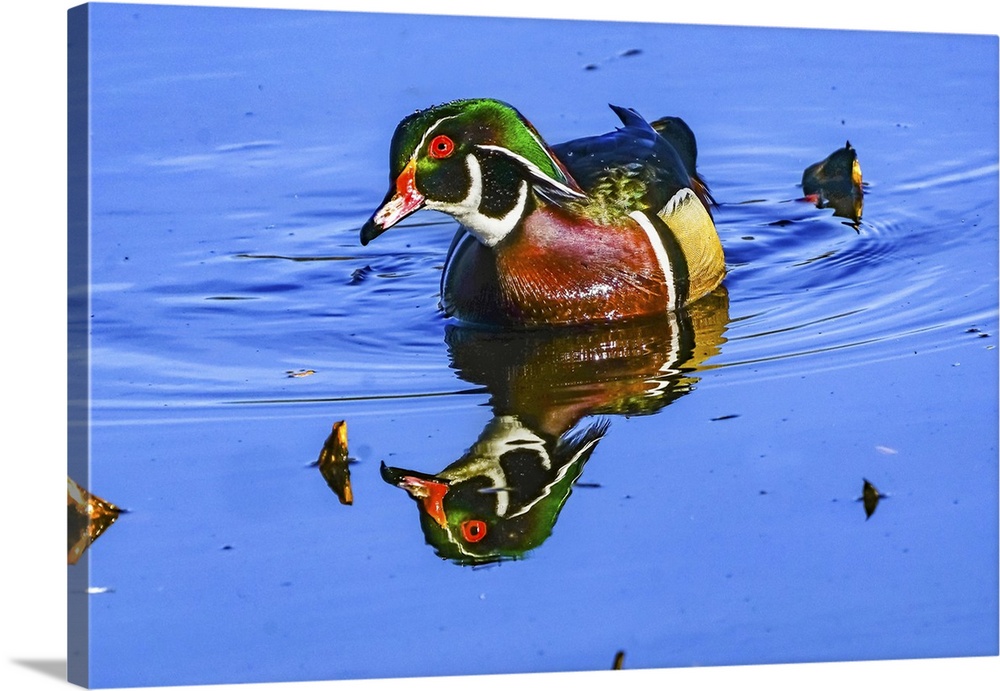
{"x": 805, "y": 288}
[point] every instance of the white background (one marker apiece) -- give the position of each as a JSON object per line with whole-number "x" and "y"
{"x": 33, "y": 343}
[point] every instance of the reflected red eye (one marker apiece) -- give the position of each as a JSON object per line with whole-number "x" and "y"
{"x": 441, "y": 146}
{"x": 473, "y": 531}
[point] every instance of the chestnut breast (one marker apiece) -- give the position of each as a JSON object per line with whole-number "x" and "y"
{"x": 555, "y": 269}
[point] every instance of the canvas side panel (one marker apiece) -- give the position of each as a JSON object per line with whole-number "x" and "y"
{"x": 78, "y": 320}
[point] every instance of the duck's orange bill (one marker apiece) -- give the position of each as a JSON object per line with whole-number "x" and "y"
{"x": 406, "y": 200}
{"x": 430, "y": 494}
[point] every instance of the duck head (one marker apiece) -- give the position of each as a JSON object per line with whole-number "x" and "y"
{"x": 502, "y": 498}
{"x": 478, "y": 160}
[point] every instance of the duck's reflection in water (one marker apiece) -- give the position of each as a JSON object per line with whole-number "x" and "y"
{"x": 502, "y": 498}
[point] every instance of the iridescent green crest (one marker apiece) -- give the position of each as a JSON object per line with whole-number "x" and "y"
{"x": 481, "y": 122}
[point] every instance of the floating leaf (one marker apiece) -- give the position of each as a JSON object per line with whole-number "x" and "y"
{"x": 870, "y": 497}
{"x": 619, "y": 660}
{"x": 88, "y": 517}
{"x": 835, "y": 182}
{"x": 333, "y": 463}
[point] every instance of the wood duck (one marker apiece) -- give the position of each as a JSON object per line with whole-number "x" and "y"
{"x": 602, "y": 228}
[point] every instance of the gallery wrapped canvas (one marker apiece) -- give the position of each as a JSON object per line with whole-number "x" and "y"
{"x": 395, "y": 352}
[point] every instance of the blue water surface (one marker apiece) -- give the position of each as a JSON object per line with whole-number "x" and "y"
{"x": 234, "y": 156}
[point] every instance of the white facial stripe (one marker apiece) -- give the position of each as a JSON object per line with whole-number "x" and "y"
{"x": 488, "y": 230}
{"x": 533, "y": 169}
{"x": 428, "y": 133}
{"x": 559, "y": 477}
{"x": 543, "y": 147}
{"x": 656, "y": 242}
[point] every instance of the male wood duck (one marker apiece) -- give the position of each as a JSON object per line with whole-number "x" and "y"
{"x": 595, "y": 229}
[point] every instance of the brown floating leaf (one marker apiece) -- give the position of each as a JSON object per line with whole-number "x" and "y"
{"x": 88, "y": 516}
{"x": 333, "y": 463}
{"x": 619, "y": 660}
{"x": 298, "y": 374}
{"x": 869, "y": 496}
{"x": 836, "y": 182}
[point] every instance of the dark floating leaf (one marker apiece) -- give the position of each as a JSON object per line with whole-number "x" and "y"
{"x": 333, "y": 463}
{"x": 630, "y": 52}
{"x": 725, "y": 417}
{"x": 88, "y": 517}
{"x": 590, "y": 68}
{"x": 619, "y": 660}
{"x": 835, "y": 182}
{"x": 870, "y": 497}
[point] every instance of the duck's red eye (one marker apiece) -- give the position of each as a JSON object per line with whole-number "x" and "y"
{"x": 441, "y": 146}
{"x": 473, "y": 531}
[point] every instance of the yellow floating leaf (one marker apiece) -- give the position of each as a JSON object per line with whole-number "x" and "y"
{"x": 333, "y": 463}
{"x": 88, "y": 516}
{"x": 300, "y": 373}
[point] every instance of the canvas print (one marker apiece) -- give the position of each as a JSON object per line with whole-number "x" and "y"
{"x": 408, "y": 346}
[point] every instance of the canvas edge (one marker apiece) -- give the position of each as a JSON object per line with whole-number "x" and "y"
{"x": 78, "y": 322}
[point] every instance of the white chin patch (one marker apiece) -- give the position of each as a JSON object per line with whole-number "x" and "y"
{"x": 488, "y": 230}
